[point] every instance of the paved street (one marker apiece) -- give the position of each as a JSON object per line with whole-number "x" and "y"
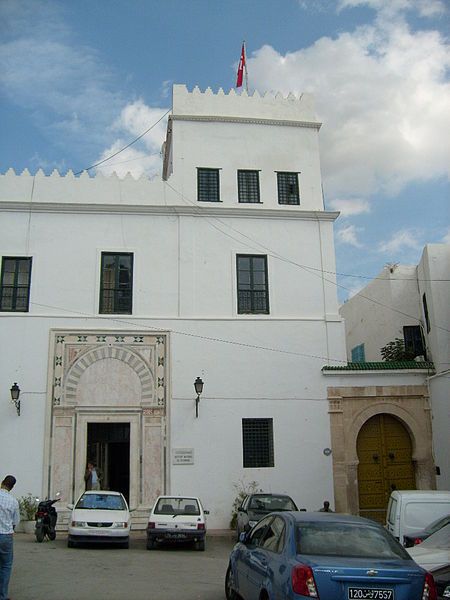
{"x": 51, "y": 571}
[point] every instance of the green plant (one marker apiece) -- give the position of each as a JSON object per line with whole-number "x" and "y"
{"x": 27, "y": 507}
{"x": 396, "y": 350}
{"x": 242, "y": 489}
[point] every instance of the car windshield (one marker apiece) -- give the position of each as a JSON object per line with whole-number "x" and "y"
{"x": 436, "y": 525}
{"x": 101, "y": 502}
{"x": 177, "y": 506}
{"x": 347, "y": 539}
{"x": 440, "y": 539}
{"x": 271, "y": 503}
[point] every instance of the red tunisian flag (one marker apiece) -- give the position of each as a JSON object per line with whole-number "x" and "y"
{"x": 240, "y": 71}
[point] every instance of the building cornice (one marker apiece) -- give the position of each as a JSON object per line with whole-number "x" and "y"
{"x": 142, "y": 209}
{"x": 247, "y": 120}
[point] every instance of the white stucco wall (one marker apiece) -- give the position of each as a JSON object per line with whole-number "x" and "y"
{"x": 184, "y": 282}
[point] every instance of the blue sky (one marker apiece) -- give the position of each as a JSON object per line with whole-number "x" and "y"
{"x": 81, "y": 79}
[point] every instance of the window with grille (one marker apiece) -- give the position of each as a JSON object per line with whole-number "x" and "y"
{"x": 414, "y": 343}
{"x": 248, "y": 186}
{"x": 288, "y": 190}
{"x": 252, "y": 284}
{"x": 257, "y": 442}
{"x": 208, "y": 185}
{"x": 15, "y": 284}
{"x": 116, "y": 285}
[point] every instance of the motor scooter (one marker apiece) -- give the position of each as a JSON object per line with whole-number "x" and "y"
{"x": 46, "y": 517}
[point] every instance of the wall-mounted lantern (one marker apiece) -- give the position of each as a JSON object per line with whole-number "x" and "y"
{"x": 15, "y": 394}
{"x": 198, "y": 385}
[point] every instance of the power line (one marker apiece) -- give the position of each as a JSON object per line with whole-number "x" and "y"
{"x": 127, "y": 146}
{"x": 193, "y": 335}
{"x": 311, "y": 270}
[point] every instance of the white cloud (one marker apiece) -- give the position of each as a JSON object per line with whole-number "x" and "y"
{"x": 446, "y": 238}
{"x": 400, "y": 240}
{"x": 134, "y": 119}
{"x": 349, "y": 208}
{"x": 349, "y": 235}
{"x": 425, "y": 8}
{"x": 383, "y": 96}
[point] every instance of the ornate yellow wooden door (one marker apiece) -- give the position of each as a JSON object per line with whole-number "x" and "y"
{"x": 385, "y": 464}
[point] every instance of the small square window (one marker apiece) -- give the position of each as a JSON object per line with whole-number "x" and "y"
{"x": 116, "y": 285}
{"x": 208, "y": 185}
{"x": 15, "y": 284}
{"x": 257, "y": 443}
{"x": 248, "y": 186}
{"x": 288, "y": 189}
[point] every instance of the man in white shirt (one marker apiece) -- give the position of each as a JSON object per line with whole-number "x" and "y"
{"x": 92, "y": 477}
{"x": 9, "y": 519}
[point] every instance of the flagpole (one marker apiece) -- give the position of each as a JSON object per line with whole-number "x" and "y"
{"x": 246, "y": 70}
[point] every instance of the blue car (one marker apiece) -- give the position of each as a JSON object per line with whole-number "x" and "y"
{"x": 299, "y": 555}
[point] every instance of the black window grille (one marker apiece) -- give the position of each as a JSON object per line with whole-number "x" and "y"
{"x": 248, "y": 186}
{"x": 116, "y": 285}
{"x": 15, "y": 284}
{"x": 288, "y": 189}
{"x": 252, "y": 284}
{"x": 208, "y": 185}
{"x": 257, "y": 443}
{"x": 414, "y": 343}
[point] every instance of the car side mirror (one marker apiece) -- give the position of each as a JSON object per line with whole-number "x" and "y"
{"x": 243, "y": 537}
{"x": 70, "y": 506}
{"x": 206, "y": 512}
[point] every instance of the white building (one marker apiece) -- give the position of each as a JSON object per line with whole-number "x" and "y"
{"x": 117, "y": 294}
{"x": 411, "y": 303}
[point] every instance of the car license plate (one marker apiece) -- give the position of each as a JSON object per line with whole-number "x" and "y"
{"x": 355, "y": 593}
{"x": 176, "y": 536}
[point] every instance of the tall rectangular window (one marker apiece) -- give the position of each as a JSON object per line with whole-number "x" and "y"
{"x": 116, "y": 284}
{"x": 425, "y": 312}
{"x": 252, "y": 284}
{"x": 288, "y": 189}
{"x": 15, "y": 284}
{"x": 257, "y": 443}
{"x": 414, "y": 345}
{"x": 208, "y": 189}
{"x": 248, "y": 186}
{"x": 358, "y": 353}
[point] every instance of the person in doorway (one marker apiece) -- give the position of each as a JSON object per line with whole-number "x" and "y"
{"x": 325, "y": 507}
{"x": 9, "y": 519}
{"x": 92, "y": 477}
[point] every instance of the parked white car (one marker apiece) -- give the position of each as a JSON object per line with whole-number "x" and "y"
{"x": 99, "y": 516}
{"x": 434, "y": 552}
{"x": 177, "y": 519}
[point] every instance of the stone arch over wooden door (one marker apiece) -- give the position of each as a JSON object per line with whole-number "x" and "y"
{"x": 350, "y": 408}
{"x": 105, "y": 377}
{"x": 384, "y": 450}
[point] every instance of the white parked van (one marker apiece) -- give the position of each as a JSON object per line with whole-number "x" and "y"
{"x": 411, "y": 510}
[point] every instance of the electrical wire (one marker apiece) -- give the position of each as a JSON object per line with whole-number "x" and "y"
{"x": 311, "y": 270}
{"x": 188, "y": 334}
{"x": 127, "y": 146}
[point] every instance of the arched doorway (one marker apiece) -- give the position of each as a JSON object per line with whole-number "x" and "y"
{"x": 385, "y": 463}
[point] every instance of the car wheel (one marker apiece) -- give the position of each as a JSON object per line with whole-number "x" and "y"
{"x": 200, "y": 545}
{"x": 151, "y": 544}
{"x": 125, "y": 545}
{"x": 229, "y": 592}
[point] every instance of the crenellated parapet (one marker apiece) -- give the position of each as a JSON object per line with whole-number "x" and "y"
{"x": 269, "y": 106}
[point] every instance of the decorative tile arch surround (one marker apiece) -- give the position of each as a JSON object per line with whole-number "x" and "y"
{"x": 350, "y": 407}
{"x": 98, "y": 376}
